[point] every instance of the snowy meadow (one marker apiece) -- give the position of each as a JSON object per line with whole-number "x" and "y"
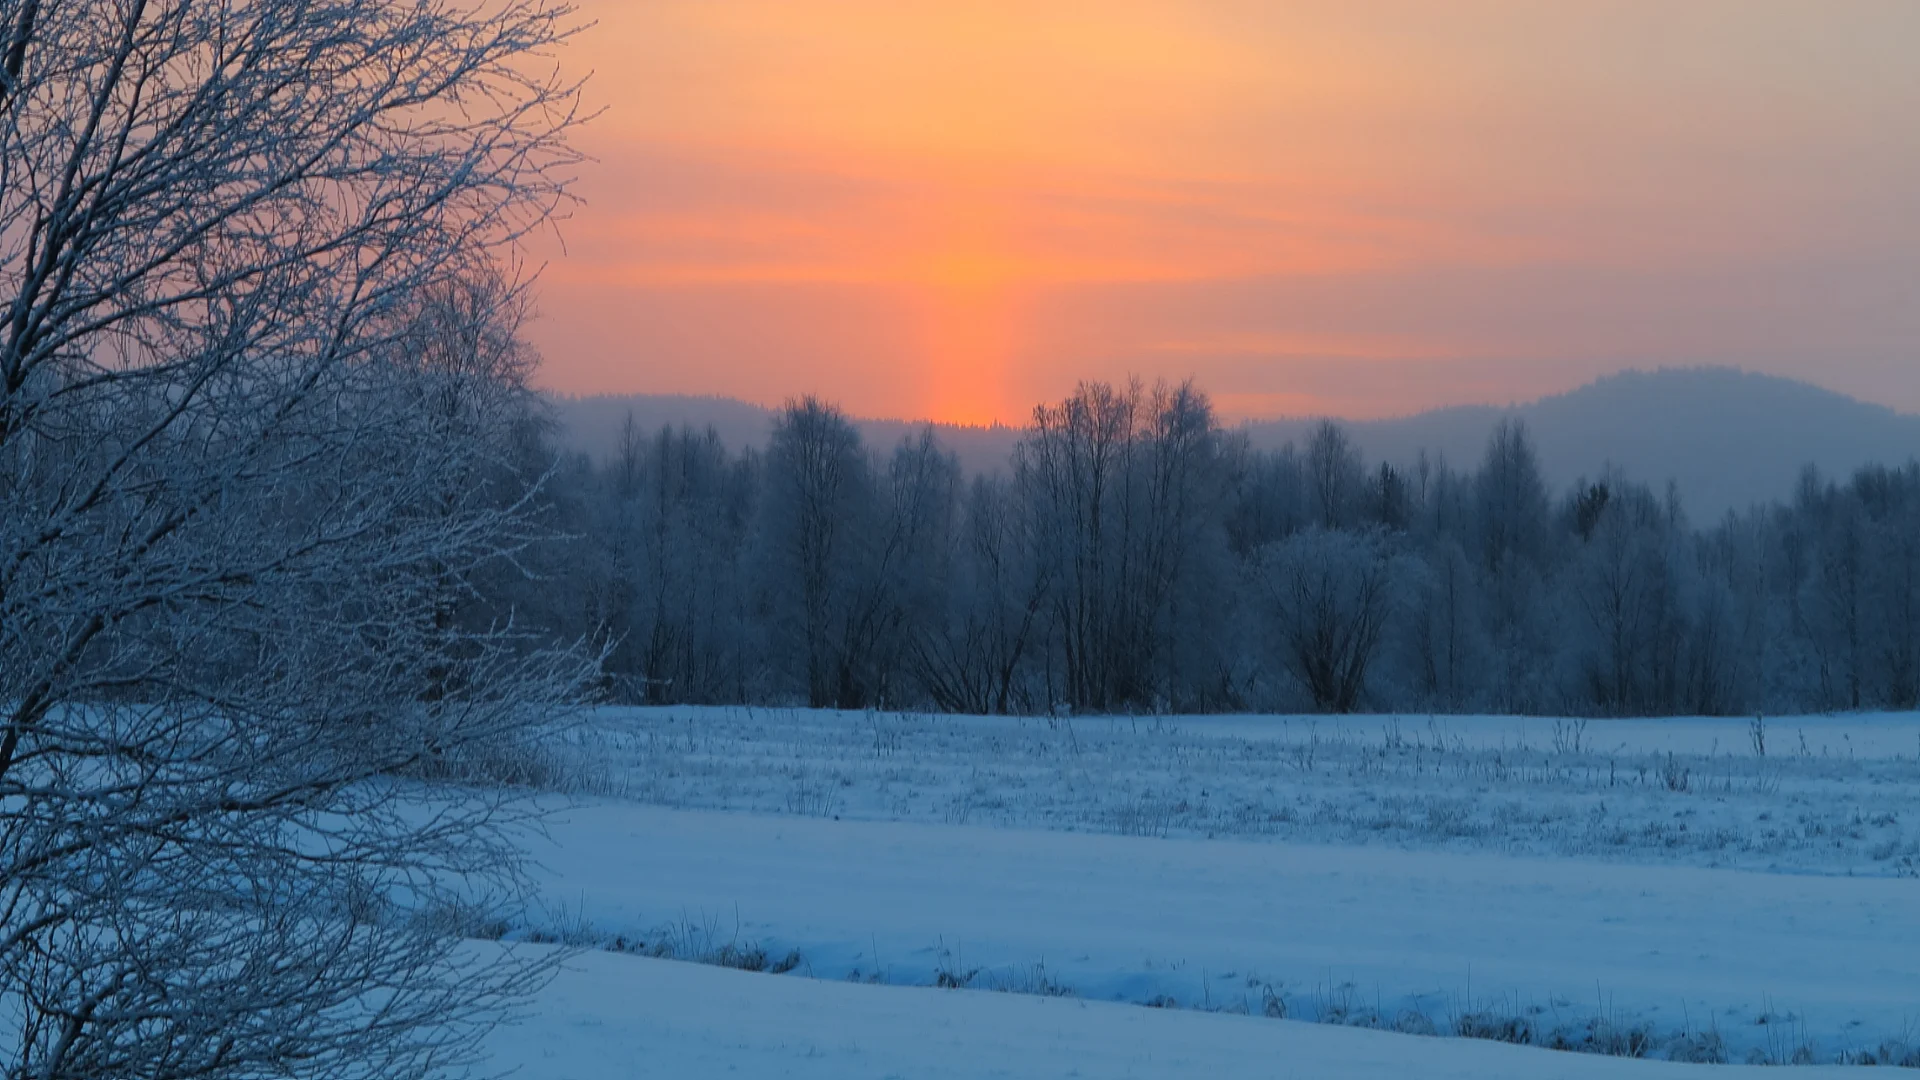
{"x": 1814, "y": 794}
{"x": 1692, "y": 890}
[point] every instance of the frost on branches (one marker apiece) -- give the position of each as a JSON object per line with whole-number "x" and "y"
{"x": 259, "y": 381}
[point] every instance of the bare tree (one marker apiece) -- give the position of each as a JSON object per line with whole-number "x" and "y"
{"x": 1184, "y": 566}
{"x": 970, "y": 657}
{"x": 461, "y": 357}
{"x": 1269, "y": 500}
{"x": 1446, "y": 647}
{"x": 1839, "y": 605}
{"x": 1512, "y": 499}
{"x": 1074, "y": 469}
{"x": 819, "y": 498}
{"x": 1511, "y": 504}
{"x": 1128, "y": 493}
{"x": 902, "y": 566}
{"x": 682, "y": 507}
{"x": 1329, "y": 596}
{"x": 1335, "y": 472}
{"x": 1129, "y": 562}
{"x": 249, "y": 370}
{"x": 1615, "y": 585}
{"x": 1891, "y": 498}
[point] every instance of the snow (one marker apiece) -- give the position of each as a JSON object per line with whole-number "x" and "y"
{"x": 1221, "y": 924}
{"x": 1829, "y": 795}
{"x": 1585, "y": 881}
{"x": 612, "y": 1017}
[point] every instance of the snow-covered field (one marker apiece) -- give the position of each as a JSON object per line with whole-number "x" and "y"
{"x": 1700, "y": 890}
{"x": 1828, "y": 795}
{"x": 616, "y": 1017}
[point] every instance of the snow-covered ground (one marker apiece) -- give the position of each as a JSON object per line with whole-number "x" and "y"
{"x": 1827, "y": 795}
{"x": 1418, "y": 941}
{"x": 1663, "y": 886}
{"x": 619, "y": 1017}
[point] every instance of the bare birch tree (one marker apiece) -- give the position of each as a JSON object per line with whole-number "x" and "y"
{"x": 237, "y": 505}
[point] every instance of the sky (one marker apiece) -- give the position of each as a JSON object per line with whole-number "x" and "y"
{"x": 956, "y": 209}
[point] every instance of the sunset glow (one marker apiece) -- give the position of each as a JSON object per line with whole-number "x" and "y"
{"x": 958, "y": 209}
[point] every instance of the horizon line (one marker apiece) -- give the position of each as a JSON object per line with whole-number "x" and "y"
{"x": 1276, "y": 418}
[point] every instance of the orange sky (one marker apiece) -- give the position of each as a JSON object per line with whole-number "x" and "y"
{"x": 956, "y": 209}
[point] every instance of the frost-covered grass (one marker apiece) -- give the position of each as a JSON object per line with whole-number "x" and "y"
{"x": 1812, "y": 794}
{"x": 1687, "y": 890}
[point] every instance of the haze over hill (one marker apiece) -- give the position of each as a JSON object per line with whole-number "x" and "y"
{"x": 1727, "y": 438}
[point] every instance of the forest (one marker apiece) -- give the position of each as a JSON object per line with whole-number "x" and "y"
{"x": 1139, "y": 556}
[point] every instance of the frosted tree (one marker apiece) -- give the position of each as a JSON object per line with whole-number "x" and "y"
{"x": 466, "y": 365}
{"x": 237, "y": 511}
{"x": 1334, "y": 474}
{"x": 1125, "y": 564}
{"x": 1839, "y": 605}
{"x": 1510, "y": 504}
{"x": 1615, "y": 585}
{"x": 611, "y": 584}
{"x": 819, "y": 497}
{"x": 1187, "y": 581}
{"x": 1128, "y": 495}
{"x": 1328, "y": 597}
{"x": 1511, "y": 498}
{"x": 1389, "y": 499}
{"x": 1891, "y": 499}
{"x": 1448, "y": 649}
{"x": 1268, "y": 501}
{"x": 974, "y": 654}
{"x": 900, "y": 573}
{"x": 695, "y": 511}
{"x": 1075, "y": 468}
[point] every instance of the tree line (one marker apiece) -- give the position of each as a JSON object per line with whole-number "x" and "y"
{"x": 1137, "y": 556}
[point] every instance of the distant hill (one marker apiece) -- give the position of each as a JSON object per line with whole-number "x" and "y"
{"x": 1729, "y": 439}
